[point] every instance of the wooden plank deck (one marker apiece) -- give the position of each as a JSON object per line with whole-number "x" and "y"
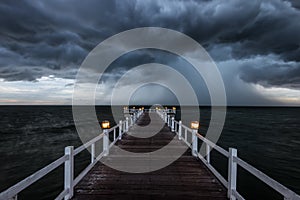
{"x": 186, "y": 178}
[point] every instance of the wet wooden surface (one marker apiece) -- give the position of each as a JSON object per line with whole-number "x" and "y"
{"x": 186, "y": 178}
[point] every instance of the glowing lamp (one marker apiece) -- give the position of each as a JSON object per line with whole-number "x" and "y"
{"x": 174, "y": 108}
{"x": 105, "y": 124}
{"x": 195, "y": 125}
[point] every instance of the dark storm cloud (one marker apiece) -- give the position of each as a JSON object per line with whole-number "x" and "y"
{"x": 271, "y": 74}
{"x": 295, "y": 3}
{"x": 52, "y": 37}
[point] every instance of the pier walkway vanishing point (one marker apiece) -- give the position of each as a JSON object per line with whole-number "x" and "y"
{"x": 189, "y": 177}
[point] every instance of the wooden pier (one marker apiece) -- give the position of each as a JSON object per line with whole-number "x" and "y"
{"x": 191, "y": 176}
{"x": 186, "y": 178}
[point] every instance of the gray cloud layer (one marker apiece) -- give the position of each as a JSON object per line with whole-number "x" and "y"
{"x": 261, "y": 37}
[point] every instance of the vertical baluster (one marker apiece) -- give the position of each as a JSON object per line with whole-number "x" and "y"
{"x": 114, "y": 135}
{"x": 166, "y": 117}
{"x": 207, "y": 153}
{"x": 120, "y": 129}
{"x": 126, "y": 124}
{"x": 194, "y": 143}
{"x": 180, "y": 130}
{"x": 232, "y": 173}
{"x": 69, "y": 171}
{"x": 93, "y": 153}
{"x": 105, "y": 142}
{"x": 172, "y": 124}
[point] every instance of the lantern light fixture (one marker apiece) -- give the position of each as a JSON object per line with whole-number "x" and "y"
{"x": 195, "y": 125}
{"x": 105, "y": 124}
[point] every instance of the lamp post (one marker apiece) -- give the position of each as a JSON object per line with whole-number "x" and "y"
{"x": 105, "y": 126}
{"x": 194, "y": 127}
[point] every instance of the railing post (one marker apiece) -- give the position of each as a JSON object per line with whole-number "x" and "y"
{"x": 69, "y": 171}
{"x": 114, "y": 135}
{"x": 172, "y": 124}
{"x": 168, "y": 120}
{"x": 165, "y": 117}
{"x": 93, "y": 153}
{"x": 126, "y": 124}
{"x": 120, "y": 129}
{"x": 232, "y": 173}
{"x": 207, "y": 153}
{"x": 105, "y": 142}
{"x": 180, "y": 130}
{"x": 194, "y": 142}
{"x": 131, "y": 120}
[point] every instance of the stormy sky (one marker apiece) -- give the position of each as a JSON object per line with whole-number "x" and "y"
{"x": 255, "y": 44}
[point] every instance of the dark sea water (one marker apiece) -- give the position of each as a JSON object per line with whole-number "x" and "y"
{"x": 33, "y": 136}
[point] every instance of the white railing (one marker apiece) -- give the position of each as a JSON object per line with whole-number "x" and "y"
{"x": 233, "y": 160}
{"x": 68, "y": 161}
{"x": 150, "y": 110}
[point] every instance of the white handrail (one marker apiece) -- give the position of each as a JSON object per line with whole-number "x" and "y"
{"x": 287, "y": 193}
{"x": 15, "y": 189}
{"x": 231, "y": 183}
{"x": 12, "y": 192}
